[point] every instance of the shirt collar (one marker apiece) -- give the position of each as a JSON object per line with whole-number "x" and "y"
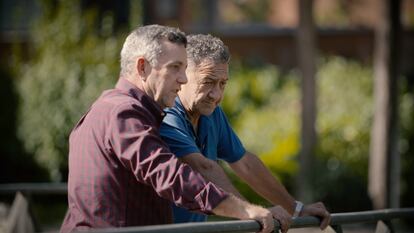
{"x": 138, "y": 94}
{"x": 180, "y": 107}
{"x": 203, "y": 124}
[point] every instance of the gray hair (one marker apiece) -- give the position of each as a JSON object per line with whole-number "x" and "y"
{"x": 206, "y": 47}
{"x": 146, "y": 41}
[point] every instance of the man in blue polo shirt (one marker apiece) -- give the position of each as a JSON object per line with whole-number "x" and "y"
{"x": 198, "y": 132}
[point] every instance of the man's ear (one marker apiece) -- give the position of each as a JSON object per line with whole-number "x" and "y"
{"x": 141, "y": 64}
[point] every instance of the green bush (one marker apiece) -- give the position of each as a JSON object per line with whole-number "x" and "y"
{"x": 264, "y": 108}
{"x": 345, "y": 109}
{"x": 73, "y": 61}
{"x": 406, "y": 146}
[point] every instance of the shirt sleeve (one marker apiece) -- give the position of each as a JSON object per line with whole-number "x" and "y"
{"x": 229, "y": 148}
{"x": 176, "y": 133}
{"x": 137, "y": 144}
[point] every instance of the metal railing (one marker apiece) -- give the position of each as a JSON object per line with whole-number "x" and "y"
{"x": 21, "y": 218}
{"x": 34, "y": 188}
{"x": 338, "y": 219}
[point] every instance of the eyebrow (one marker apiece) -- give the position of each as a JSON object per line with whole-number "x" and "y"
{"x": 176, "y": 62}
{"x": 215, "y": 78}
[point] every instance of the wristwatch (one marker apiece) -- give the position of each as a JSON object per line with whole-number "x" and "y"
{"x": 298, "y": 209}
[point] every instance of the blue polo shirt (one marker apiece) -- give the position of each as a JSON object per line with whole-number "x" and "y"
{"x": 215, "y": 139}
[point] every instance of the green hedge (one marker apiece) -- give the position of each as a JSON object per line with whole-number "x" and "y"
{"x": 264, "y": 107}
{"x": 73, "y": 61}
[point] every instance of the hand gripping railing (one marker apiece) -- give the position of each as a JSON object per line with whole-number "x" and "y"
{"x": 253, "y": 226}
{"x": 337, "y": 220}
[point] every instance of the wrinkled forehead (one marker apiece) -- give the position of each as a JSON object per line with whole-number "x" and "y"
{"x": 210, "y": 69}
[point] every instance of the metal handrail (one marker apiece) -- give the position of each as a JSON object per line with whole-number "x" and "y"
{"x": 34, "y": 188}
{"x": 337, "y": 219}
{"x": 253, "y": 226}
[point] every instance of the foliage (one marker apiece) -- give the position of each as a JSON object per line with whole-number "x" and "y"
{"x": 345, "y": 112}
{"x": 406, "y": 145}
{"x": 264, "y": 107}
{"x": 12, "y": 155}
{"x": 345, "y": 108}
{"x": 74, "y": 60}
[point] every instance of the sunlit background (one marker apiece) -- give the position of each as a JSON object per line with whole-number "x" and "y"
{"x": 57, "y": 56}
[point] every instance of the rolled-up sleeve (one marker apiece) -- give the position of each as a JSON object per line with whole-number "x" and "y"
{"x": 134, "y": 138}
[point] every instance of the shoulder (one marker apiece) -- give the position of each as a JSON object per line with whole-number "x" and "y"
{"x": 219, "y": 112}
{"x": 122, "y": 106}
{"x": 174, "y": 117}
{"x": 218, "y": 116}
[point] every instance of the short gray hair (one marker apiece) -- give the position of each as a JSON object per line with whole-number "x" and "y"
{"x": 145, "y": 41}
{"x": 202, "y": 47}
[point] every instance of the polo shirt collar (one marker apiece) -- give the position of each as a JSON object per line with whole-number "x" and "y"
{"x": 136, "y": 93}
{"x": 204, "y": 123}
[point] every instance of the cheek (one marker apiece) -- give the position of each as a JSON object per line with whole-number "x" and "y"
{"x": 196, "y": 99}
{"x": 202, "y": 94}
{"x": 167, "y": 83}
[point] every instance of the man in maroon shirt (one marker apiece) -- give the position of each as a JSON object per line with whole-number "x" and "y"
{"x": 120, "y": 172}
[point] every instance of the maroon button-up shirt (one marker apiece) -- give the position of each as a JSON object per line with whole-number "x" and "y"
{"x": 120, "y": 171}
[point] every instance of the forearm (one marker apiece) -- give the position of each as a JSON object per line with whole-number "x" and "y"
{"x": 212, "y": 172}
{"x": 260, "y": 179}
{"x": 234, "y": 207}
{"x": 237, "y": 208}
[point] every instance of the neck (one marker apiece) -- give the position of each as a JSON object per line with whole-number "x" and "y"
{"x": 135, "y": 82}
{"x": 194, "y": 116}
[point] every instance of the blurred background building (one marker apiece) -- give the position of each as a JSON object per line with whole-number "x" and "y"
{"x": 345, "y": 28}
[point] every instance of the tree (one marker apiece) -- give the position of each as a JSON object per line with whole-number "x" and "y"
{"x": 306, "y": 58}
{"x": 384, "y": 165}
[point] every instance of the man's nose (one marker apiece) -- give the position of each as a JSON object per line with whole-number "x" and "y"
{"x": 215, "y": 93}
{"x": 182, "y": 78}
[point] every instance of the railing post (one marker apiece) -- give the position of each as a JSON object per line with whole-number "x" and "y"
{"x": 384, "y": 227}
{"x": 19, "y": 219}
{"x": 28, "y": 197}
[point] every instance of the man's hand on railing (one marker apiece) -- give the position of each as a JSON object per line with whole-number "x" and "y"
{"x": 282, "y": 216}
{"x": 318, "y": 210}
{"x": 234, "y": 207}
{"x": 263, "y": 216}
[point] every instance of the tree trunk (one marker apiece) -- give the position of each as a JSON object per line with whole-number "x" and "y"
{"x": 384, "y": 164}
{"x": 306, "y": 57}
